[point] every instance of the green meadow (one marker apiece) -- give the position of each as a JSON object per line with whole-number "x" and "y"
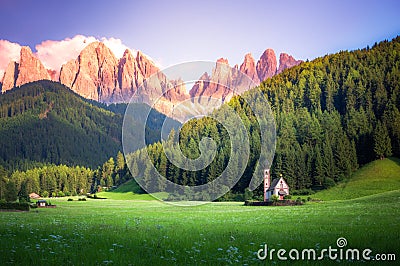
{"x": 149, "y": 232}
{"x": 374, "y": 178}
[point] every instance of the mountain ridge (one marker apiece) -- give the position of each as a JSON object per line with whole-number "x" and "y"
{"x": 99, "y": 75}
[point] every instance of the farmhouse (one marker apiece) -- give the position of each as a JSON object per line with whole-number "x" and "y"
{"x": 278, "y": 187}
{"x": 34, "y": 196}
{"x": 41, "y": 203}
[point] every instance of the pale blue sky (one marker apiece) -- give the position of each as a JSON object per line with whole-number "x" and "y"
{"x": 176, "y": 31}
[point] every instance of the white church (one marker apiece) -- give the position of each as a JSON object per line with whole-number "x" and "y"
{"x": 278, "y": 187}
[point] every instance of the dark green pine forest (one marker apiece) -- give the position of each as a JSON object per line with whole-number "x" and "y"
{"x": 332, "y": 115}
{"x": 45, "y": 122}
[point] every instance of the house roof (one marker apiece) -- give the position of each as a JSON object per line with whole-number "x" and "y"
{"x": 275, "y": 183}
{"x": 34, "y": 196}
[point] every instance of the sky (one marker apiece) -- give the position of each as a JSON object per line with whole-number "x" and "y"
{"x": 173, "y": 31}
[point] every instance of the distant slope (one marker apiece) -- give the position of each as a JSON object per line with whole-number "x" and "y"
{"x": 46, "y": 122}
{"x": 130, "y": 191}
{"x": 376, "y": 177}
{"x": 143, "y": 114}
{"x": 130, "y": 186}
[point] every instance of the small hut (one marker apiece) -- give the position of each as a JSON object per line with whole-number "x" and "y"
{"x": 34, "y": 196}
{"x": 41, "y": 203}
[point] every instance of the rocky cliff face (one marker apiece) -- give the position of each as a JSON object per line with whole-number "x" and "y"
{"x": 216, "y": 86}
{"x": 224, "y": 81}
{"x": 93, "y": 74}
{"x": 97, "y": 74}
{"x": 287, "y": 61}
{"x": 27, "y": 70}
{"x": 266, "y": 66}
{"x": 248, "y": 67}
{"x": 10, "y": 76}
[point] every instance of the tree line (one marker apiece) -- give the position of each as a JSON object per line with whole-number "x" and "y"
{"x": 62, "y": 180}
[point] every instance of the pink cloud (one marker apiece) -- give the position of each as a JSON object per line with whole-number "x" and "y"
{"x": 9, "y": 51}
{"x": 54, "y": 54}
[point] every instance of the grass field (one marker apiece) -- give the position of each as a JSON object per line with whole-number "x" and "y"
{"x": 130, "y": 191}
{"x": 376, "y": 177}
{"x": 132, "y": 232}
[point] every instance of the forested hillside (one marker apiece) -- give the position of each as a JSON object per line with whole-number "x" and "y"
{"x": 333, "y": 114}
{"x": 45, "y": 122}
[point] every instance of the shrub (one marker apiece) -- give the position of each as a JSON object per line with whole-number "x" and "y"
{"x": 287, "y": 197}
{"x": 94, "y": 197}
{"x": 21, "y": 206}
{"x": 70, "y": 199}
{"x": 238, "y": 197}
{"x": 274, "y": 198}
{"x": 329, "y": 182}
{"x": 24, "y": 199}
{"x": 11, "y": 192}
{"x": 82, "y": 199}
{"x": 248, "y": 194}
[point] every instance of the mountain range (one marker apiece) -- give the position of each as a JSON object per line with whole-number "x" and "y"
{"x": 97, "y": 74}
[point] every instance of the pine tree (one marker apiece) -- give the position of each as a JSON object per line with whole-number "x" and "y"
{"x": 3, "y": 176}
{"x": 319, "y": 172}
{"x": 120, "y": 164}
{"x": 11, "y": 193}
{"x": 382, "y": 143}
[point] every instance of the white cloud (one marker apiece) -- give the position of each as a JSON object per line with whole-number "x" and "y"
{"x": 116, "y": 46}
{"x": 9, "y": 51}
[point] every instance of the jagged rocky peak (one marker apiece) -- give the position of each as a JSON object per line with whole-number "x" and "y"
{"x": 28, "y": 69}
{"x": 287, "y": 61}
{"x": 248, "y": 67}
{"x": 10, "y": 76}
{"x": 266, "y": 65}
{"x": 93, "y": 74}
